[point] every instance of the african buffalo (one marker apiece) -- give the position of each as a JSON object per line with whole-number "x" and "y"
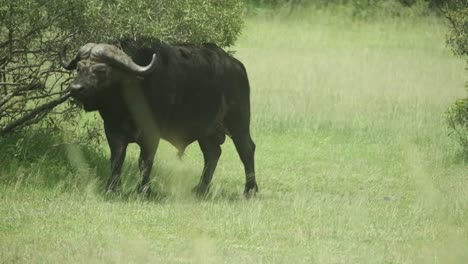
{"x": 185, "y": 93}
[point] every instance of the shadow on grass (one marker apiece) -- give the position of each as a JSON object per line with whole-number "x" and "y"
{"x": 461, "y": 157}
{"x": 161, "y": 195}
{"x": 218, "y": 194}
{"x": 44, "y": 159}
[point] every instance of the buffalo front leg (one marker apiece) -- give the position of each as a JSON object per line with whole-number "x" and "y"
{"x": 246, "y": 149}
{"x": 211, "y": 150}
{"x": 118, "y": 148}
{"x": 145, "y": 163}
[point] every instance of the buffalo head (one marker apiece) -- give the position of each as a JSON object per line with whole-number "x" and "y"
{"x": 99, "y": 68}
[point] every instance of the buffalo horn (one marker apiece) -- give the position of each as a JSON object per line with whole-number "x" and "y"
{"x": 115, "y": 56}
{"x": 71, "y": 65}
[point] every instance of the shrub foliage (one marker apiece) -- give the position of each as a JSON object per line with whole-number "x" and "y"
{"x": 457, "y": 115}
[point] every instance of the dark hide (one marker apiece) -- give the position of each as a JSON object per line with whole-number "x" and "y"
{"x": 195, "y": 93}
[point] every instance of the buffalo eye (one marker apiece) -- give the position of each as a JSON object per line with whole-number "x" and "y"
{"x": 99, "y": 68}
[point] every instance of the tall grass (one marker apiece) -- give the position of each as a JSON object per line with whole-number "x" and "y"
{"x": 353, "y": 160}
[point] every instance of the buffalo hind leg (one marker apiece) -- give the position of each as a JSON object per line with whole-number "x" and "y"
{"x": 211, "y": 150}
{"x": 246, "y": 149}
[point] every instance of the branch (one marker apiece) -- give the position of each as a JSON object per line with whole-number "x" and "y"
{"x": 31, "y": 115}
{"x": 32, "y": 98}
{"x": 9, "y": 96}
{"x": 26, "y": 51}
{"x": 11, "y": 84}
{"x": 22, "y": 67}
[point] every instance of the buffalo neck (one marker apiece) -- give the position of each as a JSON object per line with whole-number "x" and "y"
{"x": 125, "y": 106}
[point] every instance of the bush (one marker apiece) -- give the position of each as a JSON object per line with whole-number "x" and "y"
{"x": 458, "y": 35}
{"x": 359, "y": 9}
{"x": 32, "y": 83}
{"x": 194, "y": 21}
{"x": 457, "y": 115}
{"x": 457, "y": 119}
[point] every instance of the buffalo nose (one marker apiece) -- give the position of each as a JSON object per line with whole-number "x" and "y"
{"x": 76, "y": 88}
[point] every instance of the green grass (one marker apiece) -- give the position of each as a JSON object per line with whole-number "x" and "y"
{"x": 353, "y": 161}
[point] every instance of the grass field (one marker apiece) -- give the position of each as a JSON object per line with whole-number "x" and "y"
{"x": 353, "y": 160}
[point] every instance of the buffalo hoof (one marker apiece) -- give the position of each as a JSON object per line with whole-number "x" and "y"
{"x": 201, "y": 190}
{"x": 250, "y": 190}
{"x": 113, "y": 186}
{"x": 144, "y": 189}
